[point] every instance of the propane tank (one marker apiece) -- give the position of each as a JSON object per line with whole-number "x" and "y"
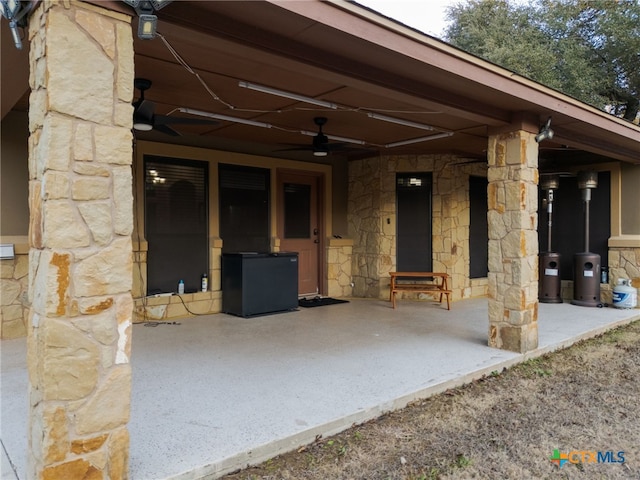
{"x": 624, "y": 295}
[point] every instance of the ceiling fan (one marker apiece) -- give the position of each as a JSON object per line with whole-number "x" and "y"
{"x": 320, "y": 145}
{"x": 145, "y": 119}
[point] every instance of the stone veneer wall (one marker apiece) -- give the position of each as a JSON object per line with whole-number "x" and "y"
{"x": 624, "y": 262}
{"x": 513, "y": 241}
{"x": 80, "y": 258}
{"x": 339, "y": 252}
{"x": 14, "y": 283}
{"x": 163, "y": 308}
{"x": 372, "y": 200}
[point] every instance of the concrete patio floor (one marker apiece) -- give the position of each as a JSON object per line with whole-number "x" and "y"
{"x": 218, "y": 392}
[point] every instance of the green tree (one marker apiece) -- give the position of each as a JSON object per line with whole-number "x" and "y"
{"x": 589, "y": 49}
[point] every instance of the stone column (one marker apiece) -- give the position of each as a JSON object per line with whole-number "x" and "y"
{"x": 81, "y": 219}
{"x": 513, "y": 241}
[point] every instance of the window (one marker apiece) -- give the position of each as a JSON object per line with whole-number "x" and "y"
{"x": 478, "y": 228}
{"x": 413, "y": 200}
{"x": 244, "y": 209}
{"x": 176, "y": 223}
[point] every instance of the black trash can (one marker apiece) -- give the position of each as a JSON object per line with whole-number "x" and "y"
{"x": 259, "y": 283}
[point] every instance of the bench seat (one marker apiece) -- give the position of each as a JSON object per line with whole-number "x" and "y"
{"x": 416, "y": 282}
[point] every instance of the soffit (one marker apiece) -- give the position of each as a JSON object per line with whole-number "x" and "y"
{"x": 339, "y": 52}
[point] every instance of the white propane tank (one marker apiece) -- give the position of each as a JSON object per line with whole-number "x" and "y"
{"x": 624, "y": 295}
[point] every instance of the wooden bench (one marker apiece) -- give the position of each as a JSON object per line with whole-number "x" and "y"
{"x": 438, "y": 283}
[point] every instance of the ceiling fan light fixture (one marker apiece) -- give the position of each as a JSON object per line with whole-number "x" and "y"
{"x": 289, "y": 95}
{"x": 142, "y": 126}
{"x": 320, "y": 153}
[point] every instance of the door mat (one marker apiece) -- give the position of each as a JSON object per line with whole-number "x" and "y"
{"x": 319, "y": 302}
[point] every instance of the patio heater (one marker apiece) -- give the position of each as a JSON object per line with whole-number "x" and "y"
{"x": 586, "y": 265}
{"x": 549, "y": 280}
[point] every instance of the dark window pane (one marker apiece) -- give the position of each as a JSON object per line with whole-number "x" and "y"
{"x": 244, "y": 209}
{"x": 176, "y": 223}
{"x": 297, "y": 211}
{"x": 478, "y": 228}
{"x": 413, "y": 197}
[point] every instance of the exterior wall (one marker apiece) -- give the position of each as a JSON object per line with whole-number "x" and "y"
{"x": 14, "y": 224}
{"x": 337, "y": 272}
{"x": 14, "y": 181}
{"x": 339, "y": 253}
{"x": 372, "y": 221}
{"x": 630, "y": 213}
{"x": 624, "y": 262}
{"x": 14, "y": 285}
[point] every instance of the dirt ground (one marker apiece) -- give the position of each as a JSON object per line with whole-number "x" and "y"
{"x": 583, "y": 402}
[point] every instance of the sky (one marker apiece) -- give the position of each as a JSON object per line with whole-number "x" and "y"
{"x": 427, "y": 16}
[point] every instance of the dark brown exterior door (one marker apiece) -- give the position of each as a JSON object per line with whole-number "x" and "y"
{"x": 299, "y": 226}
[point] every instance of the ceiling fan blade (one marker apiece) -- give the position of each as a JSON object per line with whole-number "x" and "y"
{"x": 167, "y": 120}
{"x": 301, "y": 148}
{"x": 144, "y": 111}
{"x": 166, "y": 129}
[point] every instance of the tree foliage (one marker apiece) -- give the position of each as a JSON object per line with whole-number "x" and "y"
{"x": 589, "y": 49}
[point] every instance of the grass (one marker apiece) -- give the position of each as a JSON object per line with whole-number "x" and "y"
{"x": 506, "y": 425}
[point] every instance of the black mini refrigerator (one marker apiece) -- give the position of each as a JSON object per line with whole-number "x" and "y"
{"x": 259, "y": 283}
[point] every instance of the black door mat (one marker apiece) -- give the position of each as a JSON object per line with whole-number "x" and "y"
{"x": 319, "y": 302}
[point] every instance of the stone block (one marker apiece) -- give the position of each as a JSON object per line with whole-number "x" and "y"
{"x": 70, "y": 360}
{"x": 123, "y": 114}
{"x": 97, "y": 216}
{"x": 83, "y": 145}
{"x": 70, "y": 55}
{"x": 91, "y": 169}
{"x": 11, "y": 329}
{"x": 6, "y": 269}
{"x": 125, "y": 72}
{"x": 100, "y": 28}
{"x": 101, "y": 327}
{"x": 55, "y": 435}
{"x": 107, "y": 272}
{"x": 63, "y": 227}
{"x": 35, "y": 217}
{"x": 9, "y": 291}
{"x": 51, "y": 283}
{"x": 113, "y": 145}
{"x": 86, "y": 445}
{"x": 55, "y": 185}
{"x": 105, "y": 408}
{"x": 74, "y": 469}
{"x": 123, "y": 200}
{"x": 118, "y": 447}
{"x": 53, "y": 152}
{"x": 91, "y": 188}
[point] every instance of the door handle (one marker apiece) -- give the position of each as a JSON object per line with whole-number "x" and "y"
{"x": 316, "y": 241}
{"x": 315, "y": 231}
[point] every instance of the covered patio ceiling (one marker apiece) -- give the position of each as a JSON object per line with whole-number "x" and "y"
{"x": 344, "y": 54}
